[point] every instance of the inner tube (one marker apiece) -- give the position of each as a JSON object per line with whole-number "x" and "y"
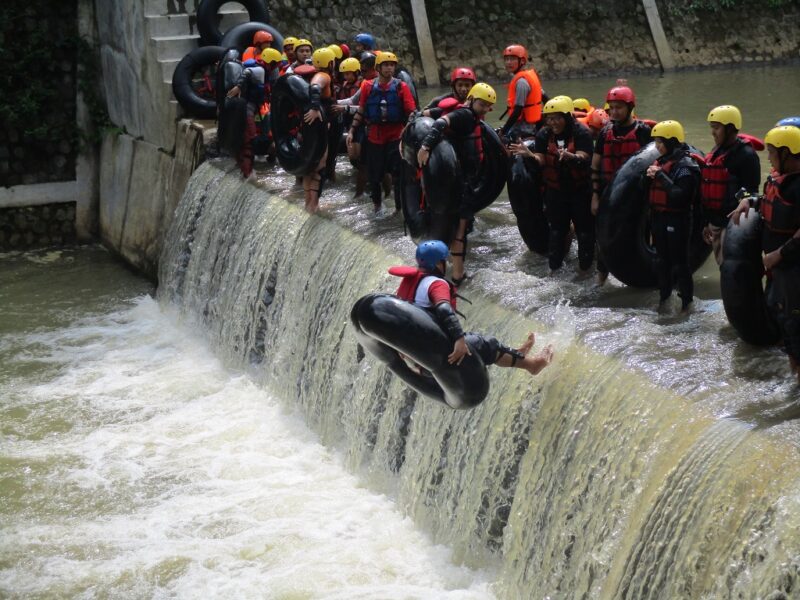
{"x": 299, "y": 146}
{"x": 403, "y": 75}
{"x": 386, "y": 326}
{"x": 241, "y": 36}
{"x": 232, "y": 122}
{"x": 429, "y": 198}
{"x": 183, "y": 88}
{"x": 493, "y": 169}
{"x": 527, "y": 201}
{"x": 623, "y": 225}
{"x": 208, "y": 21}
{"x": 740, "y": 278}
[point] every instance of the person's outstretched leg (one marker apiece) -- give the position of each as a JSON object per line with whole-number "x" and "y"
{"x": 519, "y": 358}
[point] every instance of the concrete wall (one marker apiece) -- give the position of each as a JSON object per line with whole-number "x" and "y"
{"x": 140, "y": 186}
{"x": 568, "y": 38}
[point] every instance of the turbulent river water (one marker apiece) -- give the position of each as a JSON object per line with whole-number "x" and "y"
{"x": 225, "y": 437}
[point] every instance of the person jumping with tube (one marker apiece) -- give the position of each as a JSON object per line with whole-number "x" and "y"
{"x": 426, "y": 287}
{"x": 463, "y": 127}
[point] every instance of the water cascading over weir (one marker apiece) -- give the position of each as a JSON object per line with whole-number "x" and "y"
{"x": 587, "y": 481}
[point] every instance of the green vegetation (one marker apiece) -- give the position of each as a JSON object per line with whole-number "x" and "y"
{"x": 44, "y": 63}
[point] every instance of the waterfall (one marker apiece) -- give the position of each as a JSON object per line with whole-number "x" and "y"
{"x": 587, "y": 481}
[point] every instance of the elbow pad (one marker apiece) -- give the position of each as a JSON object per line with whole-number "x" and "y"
{"x": 448, "y": 320}
{"x": 435, "y": 134}
{"x": 315, "y": 94}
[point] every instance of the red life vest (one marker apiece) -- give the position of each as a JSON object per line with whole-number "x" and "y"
{"x": 780, "y": 215}
{"x": 551, "y": 172}
{"x": 532, "y": 109}
{"x": 347, "y": 90}
{"x": 715, "y": 177}
{"x": 448, "y": 105}
{"x": 658, "y": 197}
{"x": 617, "y": 150}
{"x": 412, "y": 277}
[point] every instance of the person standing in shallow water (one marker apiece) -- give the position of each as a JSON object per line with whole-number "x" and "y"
{"x": 732, "y": 164}
{"x": 673, "y": 181}
{"x": 427, "y": 288}
{"x": 780, "y": 210}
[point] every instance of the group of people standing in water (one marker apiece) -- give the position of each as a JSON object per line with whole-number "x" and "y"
{"x": 577, "y": 150}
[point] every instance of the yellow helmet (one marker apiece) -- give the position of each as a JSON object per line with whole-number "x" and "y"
{"x": 289, "y": 41}
{"x": 727, "y": 115}
{"x": 581, "y": 104}
{"x": 384, "y": 56}
{"x": 303, "y": 42}
{"x": 485, "y": 92}
{"x": 350, "y": 65}
{"x": 270, "y": 55}
{"x": 337, "y": 51}
{"x": 559, "y": 104}
{"x": 322, "y": 58}
{"x": 669, "y": 129}
{"x": 606, "y": 106}
{"x": 785, "y": 136}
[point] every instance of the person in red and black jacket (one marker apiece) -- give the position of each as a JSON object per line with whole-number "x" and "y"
{"x": 618, "y": 141}
{"x": 563, "y": 148}
{"x": 732, "y": 165}
{"x": 673, "y": 181}
{"x": 384, "y": 105}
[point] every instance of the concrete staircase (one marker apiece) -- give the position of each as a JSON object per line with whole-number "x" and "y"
{"x": 171, "y": 26}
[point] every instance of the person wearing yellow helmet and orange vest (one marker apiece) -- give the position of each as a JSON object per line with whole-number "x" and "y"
{"x": 384, "y": 105}
{"x": 732, "y": 165}
{"x": 321, "y": 95}
{"x": 673, "y": 183}
{"x": 780, "y": 239}
{"x": 563, "y": 149}
{"x": 463, "y": 129}
{"x": 622, "y": 138}
{"x": 525, "y": 95}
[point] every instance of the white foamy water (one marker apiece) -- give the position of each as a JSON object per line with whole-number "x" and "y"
{"x": 133, "y": 464}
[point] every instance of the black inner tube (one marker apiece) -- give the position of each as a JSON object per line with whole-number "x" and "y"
{"x": 241, "y": 36}
{"x": 208, "y": 19}
{"x": 184, "y": 82}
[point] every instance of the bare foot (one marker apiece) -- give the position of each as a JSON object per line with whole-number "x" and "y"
{"x": 535, "y": 364}
{"x": 529, "y": 342}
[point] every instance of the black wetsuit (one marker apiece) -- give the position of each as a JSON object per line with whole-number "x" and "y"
{"x": 783, "y": 295}
{"x": 671, "y": 228}
{"x": 571, "y": 199}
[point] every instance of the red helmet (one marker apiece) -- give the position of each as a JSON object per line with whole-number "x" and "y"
{"x": 516, "y": 50}
{"x": 463, "y": 73}
{"x": 622, "y": 93}
{"x": 262, "y": 37}
{"x": 345, "y": 50}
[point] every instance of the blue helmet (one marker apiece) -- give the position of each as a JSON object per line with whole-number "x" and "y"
{"x": 366, "y": 40}
{"x": 430, "y": 253}
{"x": 250, "y": 62}
{"x": 793, "y": 121}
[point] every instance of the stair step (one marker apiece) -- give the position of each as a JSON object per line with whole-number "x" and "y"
{"x": 170, "y": 7}
{"x": 168, "y": 68}
{"x": 175, "y": 47}
{"x": 183, "y": 24}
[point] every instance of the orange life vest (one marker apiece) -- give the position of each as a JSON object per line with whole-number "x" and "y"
{"x": 532, "y": 111}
